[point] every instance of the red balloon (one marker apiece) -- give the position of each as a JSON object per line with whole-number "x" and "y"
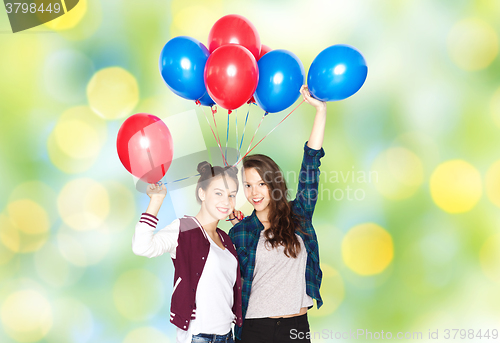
{"x": 145, "y": 147}
{"x": 234, "y": 29}
{"x": 231, "y": 76}
{"x": 264, "y": 50}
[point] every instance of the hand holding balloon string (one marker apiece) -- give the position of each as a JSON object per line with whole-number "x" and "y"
{"x": 237, "y": 217}
{"x": 156, "y": 193}
{"x": 306, "y": 95}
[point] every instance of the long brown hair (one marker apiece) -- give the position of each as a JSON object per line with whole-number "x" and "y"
{"x": 282, "y": 218}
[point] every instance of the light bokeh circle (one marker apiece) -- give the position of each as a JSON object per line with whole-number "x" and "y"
{"x": 27, "y": 239}
{"x": 28, "y": 216}
{"x": 399, "y": 172}
{"x": 146, "y": 334}
{"x": 113, "y": 93}
{"x": 495, "y": 107}
{"x": 54, "y": 269}
{"x": 492, "y": 183}
{"x": 70, "y": 19}
{"x": 83, "y": 204}
{"x": 489, "y": 257}
{"x": 76, "y": 140}
{"x": 64, "y": 162}
{"x": 6, "y": 254}
{"x": 26, "y": 316}
{"x": 138, "y": 294}
{"x": 204, "y": 16}
{"x": 73, "y": 322}
{"x": 456, "y": 186}
{"x": 122, "y": 210}
{"x": 473, "y": 44}
{"x": 83, "y": 248}
{"x": 332, "y": 292}
{"x": 367, "y": 249}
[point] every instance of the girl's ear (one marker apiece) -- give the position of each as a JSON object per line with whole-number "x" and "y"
{"x": 201, "y": 194}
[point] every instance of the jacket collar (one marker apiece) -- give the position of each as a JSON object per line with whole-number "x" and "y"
{"x": 203, "y": 230}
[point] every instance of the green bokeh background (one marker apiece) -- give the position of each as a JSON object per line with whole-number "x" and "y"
{"x": 67, "y": 272}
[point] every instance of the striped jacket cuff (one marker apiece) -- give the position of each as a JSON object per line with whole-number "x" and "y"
{"x": 149, "y": 219}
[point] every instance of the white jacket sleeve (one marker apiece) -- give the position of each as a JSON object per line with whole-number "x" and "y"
{"x": 147, "y": 243}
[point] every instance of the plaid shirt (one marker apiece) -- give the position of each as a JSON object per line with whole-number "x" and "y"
{"x": 245, "y": 235}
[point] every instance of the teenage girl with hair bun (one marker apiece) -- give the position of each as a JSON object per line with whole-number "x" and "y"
{"x": 206, "y": 297}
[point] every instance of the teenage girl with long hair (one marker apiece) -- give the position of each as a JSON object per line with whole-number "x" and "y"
{"x": 277, "y": 245}
{"x": 206, "y": 297}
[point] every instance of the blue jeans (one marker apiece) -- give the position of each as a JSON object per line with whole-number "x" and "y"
{"x": 211, "y": 338}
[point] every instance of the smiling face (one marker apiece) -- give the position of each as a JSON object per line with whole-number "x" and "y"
{"x": 218, "y": 199}
{"x": 256, "y": 190}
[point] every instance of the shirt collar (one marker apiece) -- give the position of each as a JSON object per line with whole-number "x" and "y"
{"x": 256, "y": 224}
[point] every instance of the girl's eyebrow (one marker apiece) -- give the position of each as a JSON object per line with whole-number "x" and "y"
{"x": 222, "y": 190}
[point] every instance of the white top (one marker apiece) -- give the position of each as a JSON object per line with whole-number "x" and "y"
{"x": 214, "y": 294}
{"x": 279, "y": 282}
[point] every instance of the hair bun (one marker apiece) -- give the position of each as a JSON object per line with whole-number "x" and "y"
{"x": 232, "y": 169}
{"x": 204, "y": 167}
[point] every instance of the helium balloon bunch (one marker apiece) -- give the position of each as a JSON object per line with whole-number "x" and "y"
{"x": 236, "y": 69}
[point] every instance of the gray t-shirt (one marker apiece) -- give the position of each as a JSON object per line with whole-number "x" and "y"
{"x": 279, "y": 282}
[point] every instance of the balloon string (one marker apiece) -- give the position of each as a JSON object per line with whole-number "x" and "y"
{"x": 159, "y": 183}
{"x": 218, "y": 142}
{"x": 243, "y": 134}
{"x": 270, "y": 132}
{"x": 217, "y": 131}
{"x": 236, "y": 126}
{"x": 227, "y": 132}
{"x": 249, "y": 145}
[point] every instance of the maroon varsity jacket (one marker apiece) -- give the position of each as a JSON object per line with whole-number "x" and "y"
{"x": 191, "y": 254}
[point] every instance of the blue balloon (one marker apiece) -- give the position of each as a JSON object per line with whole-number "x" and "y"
{"x": 182, "y": 65}
{"x": 336, "y": 73}
{"x": 281, "y": 74}
{"x": 206, "y": 100}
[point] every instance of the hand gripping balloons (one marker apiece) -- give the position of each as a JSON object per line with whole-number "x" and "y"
{"x": 281, "y": 74}
{"x": 234, "y": 29}
{"x": 336, "y": 73}
{"x": 182, "y": 62}
{"x": 231, "y": 76}
{"x": 145, "y": 147}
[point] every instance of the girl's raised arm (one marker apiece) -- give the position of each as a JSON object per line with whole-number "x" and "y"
{"x": 147, "y": 243}
{"x": 157, "y": 194}
{"x": 318, "y": 131}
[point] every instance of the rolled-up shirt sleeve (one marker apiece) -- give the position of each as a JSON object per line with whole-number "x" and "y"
{"x": 307, "y": 190}
{"x": 145, "y": 242}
